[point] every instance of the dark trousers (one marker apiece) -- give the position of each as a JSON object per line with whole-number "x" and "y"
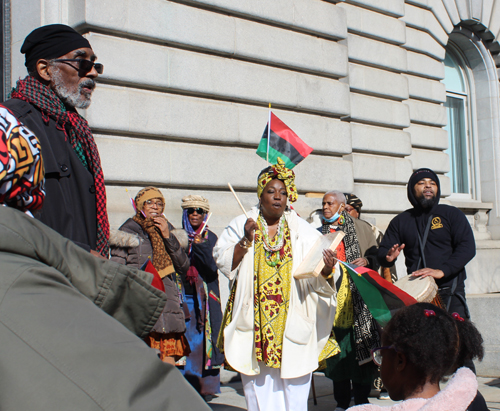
{"x": 342, "y": 393}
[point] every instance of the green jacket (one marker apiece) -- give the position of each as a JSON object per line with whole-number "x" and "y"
{"x": 69, "y": 327}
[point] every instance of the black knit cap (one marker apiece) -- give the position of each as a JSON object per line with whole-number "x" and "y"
{"x": 52, "y": 41}
{"x": 418, "y": 175}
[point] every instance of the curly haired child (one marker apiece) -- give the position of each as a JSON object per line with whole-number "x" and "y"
{"x": 422, "y": 344}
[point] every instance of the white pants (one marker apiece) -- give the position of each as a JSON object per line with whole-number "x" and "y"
{"x": 268, "y": 391}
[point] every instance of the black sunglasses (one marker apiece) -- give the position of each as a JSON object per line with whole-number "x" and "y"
{"x": 198, "y": 210}
{"x": 84, "y": 65}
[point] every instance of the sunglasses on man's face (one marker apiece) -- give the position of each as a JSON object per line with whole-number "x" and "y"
{"x": 83, "y": 65}
{"x": 198, "y": 210}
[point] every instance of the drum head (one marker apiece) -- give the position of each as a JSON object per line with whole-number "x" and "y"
{"x": 423, "y": 289}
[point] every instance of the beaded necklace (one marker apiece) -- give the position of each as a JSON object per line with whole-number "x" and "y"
{"x": 273, "y": 251}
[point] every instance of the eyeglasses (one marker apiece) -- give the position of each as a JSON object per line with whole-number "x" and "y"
{"x": 152, "y": 203}
{"x": 83, "y": 65}
{"x": 198, "y": 210}
{"x": 377, "y": 354}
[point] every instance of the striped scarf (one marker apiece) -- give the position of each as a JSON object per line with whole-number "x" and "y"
{"x": 75, "y": 128}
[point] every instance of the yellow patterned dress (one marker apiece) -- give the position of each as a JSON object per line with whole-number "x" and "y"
{"x": 271, "y": 298}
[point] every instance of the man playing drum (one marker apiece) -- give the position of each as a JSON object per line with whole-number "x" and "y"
{"x": 436, "y": 239}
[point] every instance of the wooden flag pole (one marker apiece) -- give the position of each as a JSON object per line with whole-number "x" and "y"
{"x": 206, "y": 222}
{"x": 238, "y": 200}
{"x": 268, "y": 132}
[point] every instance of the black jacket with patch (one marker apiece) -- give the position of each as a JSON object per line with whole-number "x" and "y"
{"x": 450, "y": 243}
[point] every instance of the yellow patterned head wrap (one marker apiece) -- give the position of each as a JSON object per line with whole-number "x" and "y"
{"x": 280, "y": 172}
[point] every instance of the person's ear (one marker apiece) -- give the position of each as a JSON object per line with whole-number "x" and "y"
{"x": 42, "y": 68}
{"x": 401, "y": 361}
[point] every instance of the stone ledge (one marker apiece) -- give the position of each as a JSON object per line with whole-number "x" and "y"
{"x": 204, "y": 75}
{"x": 174, "y": 165}
{"x": 376, "y": 82}
{"x": 425, "y": 20}
{"x": 390, "y": 7}
{"x": 373, "y": 24}
{"x": 376, "y": 53}
{"x": 423, "y": 42}
{"x": 425, "y": 89}
{"x": 428, "y": 137}
{"x": 427, "y": 113}
{"x": 380, "y": 140}
{"x": 379, "y": 169}
{"x": 425, "y": 66}
{"x": 313, "y": 16}
{"x": 171, "y": 116}
{"x": 377, "y": 111}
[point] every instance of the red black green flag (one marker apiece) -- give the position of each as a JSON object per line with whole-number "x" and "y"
{"x": 149, "y": 268}
{"x": 381, "y": 297}
{"x": 283, "y": 143}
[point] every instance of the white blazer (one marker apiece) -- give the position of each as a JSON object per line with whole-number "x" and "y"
{"x": 311, "y": 309}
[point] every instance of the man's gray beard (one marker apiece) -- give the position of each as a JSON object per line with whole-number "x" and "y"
{"x": 76, "y": 99}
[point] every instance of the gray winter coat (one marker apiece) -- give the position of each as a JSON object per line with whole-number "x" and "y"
{"x": 135, "y": 250}
{"x": 67, "y": 325}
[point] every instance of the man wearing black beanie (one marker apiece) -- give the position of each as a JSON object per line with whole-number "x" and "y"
{"x": 436, "y": 239}
{"x": 61, "y": 77}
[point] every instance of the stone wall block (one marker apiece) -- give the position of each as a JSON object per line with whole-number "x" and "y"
{"x": 172, "y": 116}
{"x": 424, "y": 43}
{"x": 464, "y": 9}
{"x": 435, "y": 160}
{"x": 425, "y": 89}
{"x": 173, "y": 165}
{"x": 380, "y": 140}
{"x": 377, "y": 82}
{"x": 452, "y": 10}
{"x": 377, "y": 111}
{"x": 390, "y": 7}
{"x": 375, "y": 25}
{"x": 289, "y": 49}
{"x": 428, "y": 137}
{"x": 200, "y": 74}
{"x": 376, "y": 53}
{"x": 494, "y": 21}
{"x": 379, "y": 169}
{"x": 314, "y": 16}
{"x": 427, "y": 113}
{"x": 439, "y": 10}
{"x": 202, "y": 29}
{"x": 418, "y": 18}
{"x": 382, "y": 198}
{"x": 424, "y": 66}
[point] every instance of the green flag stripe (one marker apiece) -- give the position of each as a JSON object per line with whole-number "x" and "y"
{"x": 273, "y": 154}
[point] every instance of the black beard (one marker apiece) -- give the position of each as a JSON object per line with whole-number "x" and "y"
{"x": 426, "y": 202}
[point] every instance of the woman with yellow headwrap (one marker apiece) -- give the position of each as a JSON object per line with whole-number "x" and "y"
{"x": 276, "y": 328}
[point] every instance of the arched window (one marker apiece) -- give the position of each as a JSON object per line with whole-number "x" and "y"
{"x": 458, "y": 107}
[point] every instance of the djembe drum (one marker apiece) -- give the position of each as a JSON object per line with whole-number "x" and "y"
{"x": 423, "y": 289}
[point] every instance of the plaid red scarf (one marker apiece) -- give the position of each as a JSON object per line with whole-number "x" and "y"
{"x": 80, "y": 136}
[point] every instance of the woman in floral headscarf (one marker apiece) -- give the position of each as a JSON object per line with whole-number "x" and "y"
{"x": 149, "y": 236}
{"x": 275, "y": 328}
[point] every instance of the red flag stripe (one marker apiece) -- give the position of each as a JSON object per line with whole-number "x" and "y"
{"x": 286, "y": 133}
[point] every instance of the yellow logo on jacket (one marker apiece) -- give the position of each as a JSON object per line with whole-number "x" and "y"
{"x": 436, "y": 223}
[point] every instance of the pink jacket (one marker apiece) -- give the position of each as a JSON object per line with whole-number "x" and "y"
{"x": 457, "y": 396}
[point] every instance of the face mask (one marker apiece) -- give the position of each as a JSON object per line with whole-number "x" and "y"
{"x": 334, "y": 218}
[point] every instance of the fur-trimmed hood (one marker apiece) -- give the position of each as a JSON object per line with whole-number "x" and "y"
{"x": 118, "y": 238}
{"x": 456, "y": 396}
{"x": 122, "y": 239}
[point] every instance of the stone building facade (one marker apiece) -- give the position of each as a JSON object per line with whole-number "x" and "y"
{"x": 377, "y": 87}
